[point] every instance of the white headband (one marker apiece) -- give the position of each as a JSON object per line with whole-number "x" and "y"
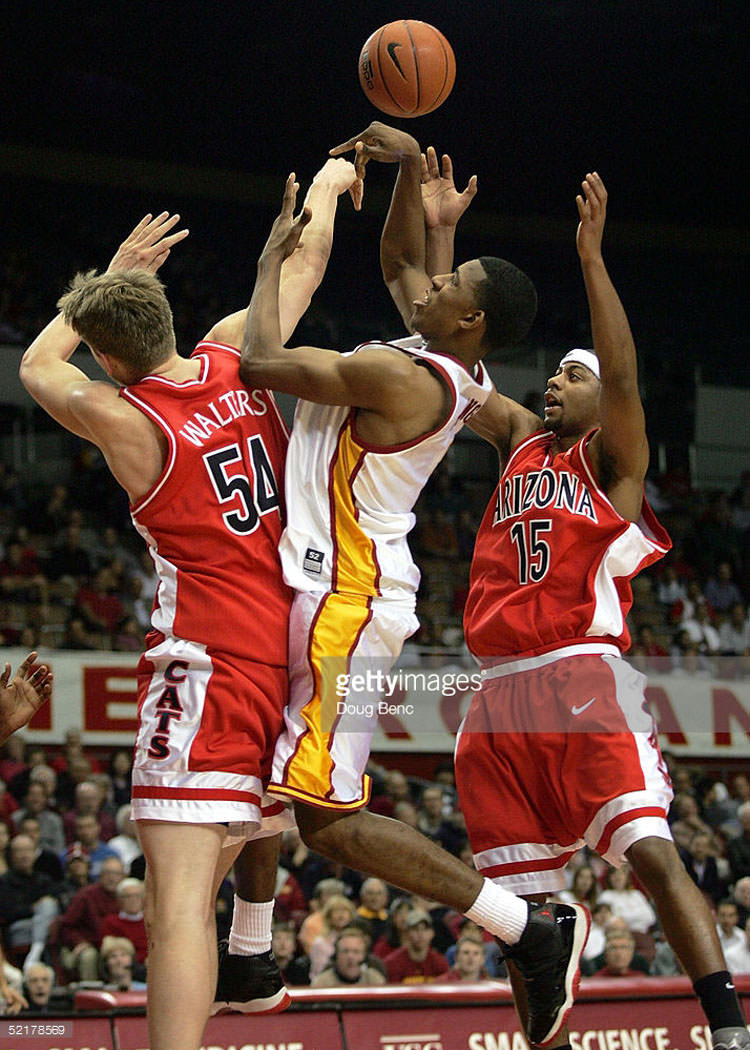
{"x": 583, "y": 357}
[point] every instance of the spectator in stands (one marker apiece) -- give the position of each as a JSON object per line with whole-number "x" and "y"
{"x": 76, "y": 636}
{"x": 128, "y": 921}
{"x": 373, "y": 906}
{"x": 13, "y": 760}
{"x": 655, "y": 656}
{"x": 583, "y": 890}
{"x": 36, "y": 804}
{"x": 125, "y": 844}
{"x": 34, "y": 756}
{"x": 431, "y": 821}
{"x": 27, "y": 901}
{"x": 721, "y": 591}
{"x": 70, "y": 561}
{"x": 688, "y": 821}
{"x": 395, "y": 790}
{"x": 741, "y": 897}
{"x": 619, "y": 949}
{"x": 469, "y": 963}
{"x": 738, "y": 849}
{"x": 738, "y": 956}
{"x": 337, "y": 912}
{"x": 406, "y": 812}
{"x": 312, "y": 927}
{"x": 98, "y": 604}
{"x": 12, "y": 1000}
{"x": 76, "y": 874}
{"x": 702, "y": 867}
{"x": 731, "y": 936}
{"x": 5, "y": 829}
{"x": 109, "y": 548}
{"x": 719, "y": 810}
{"x": 295, "y": 969}
{"x": 117, "y": 962}
{"x": 417, "y": 962}
{"x": 734, "y": 632}
{"x": 20, "y": 577}
{"x": 88, "y": 802}
{"x": 702, "y": 633}
{"x": 392, "y": 936}
{"x": 716, "y": 534}
{"x": 39, "y": 982}
{"x": 121, "y": 777}
{"x": 601, "y": 914}
{"x": 80, "y": 925}
{"x": 626, "y": 901}
{"x": 349, "y": 966}
{"x": 44, "y": 859}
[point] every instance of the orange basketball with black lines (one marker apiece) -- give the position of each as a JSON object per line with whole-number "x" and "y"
{"x": 407, "y": 68}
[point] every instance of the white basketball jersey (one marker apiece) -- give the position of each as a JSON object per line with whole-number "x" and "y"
{"x": 349, "y": 504}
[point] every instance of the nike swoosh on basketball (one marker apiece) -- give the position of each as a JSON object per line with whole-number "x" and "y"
{"x": 394, "y": 57}
{"x": 576, "y": 710}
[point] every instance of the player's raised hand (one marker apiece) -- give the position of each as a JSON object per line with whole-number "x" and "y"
{"x": 22, "y": 698}
{"x": 443, "y": 204}
{"x": 149, "y": 244}
{"x": 286, "y": 231}
{"x": 378, "y": 142}
{"x": 341, "y": 176}
{"x": 592, "y": 211}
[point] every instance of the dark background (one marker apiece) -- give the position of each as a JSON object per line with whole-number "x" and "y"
{"x": 109, "y": 110}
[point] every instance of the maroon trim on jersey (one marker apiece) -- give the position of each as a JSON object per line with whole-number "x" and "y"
{"x": 617, "y": 822}
{"x": 353, "y": 646}
{"x": 332, "y": 505}
{"x": 219, "y": 794}
{"x": 310, "y": 632}
{"x": 272, "y": 810}
{"x": 545, "y": 864}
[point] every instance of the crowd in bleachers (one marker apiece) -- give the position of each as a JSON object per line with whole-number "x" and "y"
{"x": 72, "y": 889}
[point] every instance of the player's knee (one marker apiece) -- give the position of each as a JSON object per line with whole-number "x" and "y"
{"x": 655, "y": 861}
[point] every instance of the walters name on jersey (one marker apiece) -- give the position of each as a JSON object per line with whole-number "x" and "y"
{"x": 213, "y": 519}
{"x": 349, "y": 504}
{"x": 553, "y": 559}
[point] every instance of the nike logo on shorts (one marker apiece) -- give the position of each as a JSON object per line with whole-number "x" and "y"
{"x": 576, "y": 710}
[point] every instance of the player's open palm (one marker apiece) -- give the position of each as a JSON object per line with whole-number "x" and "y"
{"x": 443, "y": 204}
{"x": 22, "y": 697}
{"x": 592, "y": 211}
{"x": 148, "y": 245}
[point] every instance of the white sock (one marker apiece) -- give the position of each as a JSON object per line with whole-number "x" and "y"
{"x": 500, "y": 912}
{"x": 251, "y": 927}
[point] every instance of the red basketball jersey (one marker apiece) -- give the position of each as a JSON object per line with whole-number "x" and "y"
{"x": 214, "y": 517}
{"x": 553, "y": 559}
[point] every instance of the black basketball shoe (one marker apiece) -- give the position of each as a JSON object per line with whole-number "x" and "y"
{"x": 548, "y": 956}
{"x": 249, "y": 984}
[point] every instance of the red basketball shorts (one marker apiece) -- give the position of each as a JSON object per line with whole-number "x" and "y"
{"x": 207, "y": 727}
{"x": 557, "y": 752}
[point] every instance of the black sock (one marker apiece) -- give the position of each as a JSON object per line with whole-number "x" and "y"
{"x": 719, "y": 1000}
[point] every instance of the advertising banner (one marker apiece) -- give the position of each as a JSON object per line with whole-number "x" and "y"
{"x": 420, "y": 708}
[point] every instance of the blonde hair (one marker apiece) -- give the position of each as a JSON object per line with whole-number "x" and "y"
{"x": 337, "y": 901}
{"x": 124, "y": 314}
{"x": 113, "y": 944}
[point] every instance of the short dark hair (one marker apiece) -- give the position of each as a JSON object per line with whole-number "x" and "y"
{"x": 509, "y": 300}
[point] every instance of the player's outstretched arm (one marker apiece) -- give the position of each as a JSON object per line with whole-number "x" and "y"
{"x": 443, "y": 206}
{"x": 46, "y": 371}
{"x": 402, "y": 243}
{"x": 622, "y": 438}
{"x": 23, "y": 695}
{"x": 381, "y": 380}
{"x": 302, "y": 272}
{"x": 504, "y": 423}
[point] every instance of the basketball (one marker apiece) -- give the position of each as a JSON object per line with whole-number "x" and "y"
{"x": 407, "y": 68}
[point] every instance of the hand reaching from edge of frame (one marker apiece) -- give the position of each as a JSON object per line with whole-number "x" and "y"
{"x": 443, "y": 204}
{"x": 22, "y": 698}
{"x": 592, "y": 211}
{"x": 149, "y": 244}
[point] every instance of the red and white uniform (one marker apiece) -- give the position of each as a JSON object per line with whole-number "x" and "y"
{"x": 212, "y": 683}
{"x": 557, "y": 749}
